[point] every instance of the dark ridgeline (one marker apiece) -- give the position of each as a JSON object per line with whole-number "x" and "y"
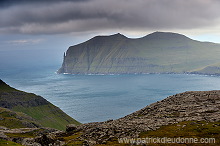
{"x": 2, "y": 83}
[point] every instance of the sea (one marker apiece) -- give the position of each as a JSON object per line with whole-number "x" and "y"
{"x": 95, "y": 98}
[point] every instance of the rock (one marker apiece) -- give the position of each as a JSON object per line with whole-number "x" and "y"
{"x": 71, "y": 127}
{"x": 44, "y": 140}
{"x": 3, "y": 136}
{"x": 187, "y": 106}
{"x": 17, "y": 139}
{"x": 30, "y": 142}
{"x": 49, "y": 140}
{"x": 3, "y": 128}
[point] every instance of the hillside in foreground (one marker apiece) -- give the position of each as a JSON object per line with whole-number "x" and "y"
{"x": 190, "y": 114}
{"x": 159, "y": 52}
{"x": 35, "y": 107}
{"x": 193, "y": 114}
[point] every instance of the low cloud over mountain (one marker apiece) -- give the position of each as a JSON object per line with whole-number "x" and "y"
{"x": 65, "y": 16}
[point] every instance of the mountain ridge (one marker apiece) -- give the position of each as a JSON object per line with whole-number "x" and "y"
{"x": 165, "y": 35}
{"x": 158, "y": 52}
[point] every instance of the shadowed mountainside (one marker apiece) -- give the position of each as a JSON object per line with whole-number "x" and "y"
{"x": 159, "y": 52}
{"x": 38, "y": 108}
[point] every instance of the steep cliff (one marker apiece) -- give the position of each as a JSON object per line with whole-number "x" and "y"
{"x": 159, "y": 52}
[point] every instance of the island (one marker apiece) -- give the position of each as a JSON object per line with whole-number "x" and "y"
{"x": 159, "y": 52}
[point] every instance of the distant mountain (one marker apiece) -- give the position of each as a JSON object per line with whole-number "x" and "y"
{"x": 37, "y": 109}
{"x": 159, "y": 52}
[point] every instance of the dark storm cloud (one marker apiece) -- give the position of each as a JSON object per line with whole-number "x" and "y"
{"x": 14, "y": 2}
{"x": 62, "y": 16}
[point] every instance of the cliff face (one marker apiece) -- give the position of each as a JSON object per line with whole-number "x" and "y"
{"x": 158, "y": 52}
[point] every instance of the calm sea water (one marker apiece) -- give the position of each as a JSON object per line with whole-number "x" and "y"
{"x": 90, "y": 98}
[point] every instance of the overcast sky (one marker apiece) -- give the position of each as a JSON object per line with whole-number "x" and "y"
{"x": 56, "y": 24}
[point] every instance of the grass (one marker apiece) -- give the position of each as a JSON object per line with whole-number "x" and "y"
{"x": 71, "y": 140}
{"x": 45, "y": 113}
{"x": 31, "y": 134}
{"x": 8, "y": 143}
{"x": 5, "y": 88}
{"x": 213, "y": 69}
{"x": 187, "y": 129}
{"x": 121, "y": 56}
{"x": 48, "y": 116}
{"x": 11, "y": 119}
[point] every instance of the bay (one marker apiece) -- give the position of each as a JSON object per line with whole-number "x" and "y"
{"x": 93, "y": 98}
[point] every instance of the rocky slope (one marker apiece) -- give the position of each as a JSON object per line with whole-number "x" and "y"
{"x": 189, "y": 114}
{"x": 188, "y": 106}
{"x": 158, "y": 52}
{"x": 36, "y": 107}
{"x": 195, "y": 113}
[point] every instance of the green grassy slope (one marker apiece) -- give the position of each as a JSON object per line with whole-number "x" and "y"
{"x": 8, "y": 143}
{"x": 48, "y": 116}
{"x": 5, "y": 88}
{"x": 34, "y": 106}
{"x": 155, "y": 53}
{"x": 213, "y": 69}
{"x": 11, "y": 119}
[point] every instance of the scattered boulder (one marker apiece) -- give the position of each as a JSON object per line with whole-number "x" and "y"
{"x": 187, "y": 106}
{"x": 3, "y": 136}
{"x": 30, "y": 142}
{"x": 70, "y": 127}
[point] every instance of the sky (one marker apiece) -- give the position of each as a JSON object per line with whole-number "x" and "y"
{"x": 41, "y": 30}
